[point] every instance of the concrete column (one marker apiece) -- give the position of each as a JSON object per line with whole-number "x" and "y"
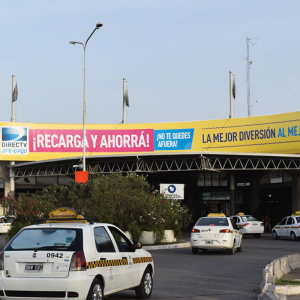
{"x": 4, "y": 171}
{"x": 254, "y": 195}
{"x": 232, "y": 194}
{"x": 295, "y": 192}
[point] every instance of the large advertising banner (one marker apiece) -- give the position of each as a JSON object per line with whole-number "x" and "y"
{"x": 264, "y": 134}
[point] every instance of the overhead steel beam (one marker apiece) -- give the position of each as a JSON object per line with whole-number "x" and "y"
{"x": 160, "y": 164}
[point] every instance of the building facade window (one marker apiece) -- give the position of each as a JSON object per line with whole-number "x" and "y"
{"x": 212, "y": 179}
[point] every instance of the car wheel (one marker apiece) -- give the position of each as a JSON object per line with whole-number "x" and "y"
{"x": 293, "y": 236}
{"x": 144, "y": 290}
{"x": 257, "y": 236}
{"x": 232, "y": 250}
{"x": 240, "y": 248}
{"x": 275, "y": 235}
{"x": 194, "y": 250}
{"x": 96, "y": 290}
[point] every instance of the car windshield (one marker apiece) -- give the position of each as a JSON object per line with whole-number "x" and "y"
{"x": 212, "y": 222}
{"x": 47, "y": 239}
{"x": 9, "y": 219}
{"x": 248, "y": 218}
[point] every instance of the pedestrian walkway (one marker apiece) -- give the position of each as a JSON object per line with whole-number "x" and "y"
{"x": 183, "y": 242}
{"x": 295, "y": 276}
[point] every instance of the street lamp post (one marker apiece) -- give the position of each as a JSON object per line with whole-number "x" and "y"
{"x": 98, "y": 25}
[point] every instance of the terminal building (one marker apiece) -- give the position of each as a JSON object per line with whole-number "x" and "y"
{"x": 231, "y": 165}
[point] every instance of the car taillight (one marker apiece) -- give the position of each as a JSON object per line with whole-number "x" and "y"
{"x": 195, "y": 230}
{"x": 247, "y": 224}
{"x": 262, "y": 224}
{"x": 2, "y": 260}
{"x": 224, "y": 231}
{"x": 78, "y": 262}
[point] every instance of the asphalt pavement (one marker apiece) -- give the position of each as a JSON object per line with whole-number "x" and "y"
{"x": 214, "y": 275}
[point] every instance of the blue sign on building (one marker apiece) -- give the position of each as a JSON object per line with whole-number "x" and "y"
{"x": 173, "y": 139}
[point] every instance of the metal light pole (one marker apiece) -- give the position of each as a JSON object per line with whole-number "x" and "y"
{"x": 125, "y": 101}
{"x": 98, "y": 25}
{"x": 231, "y": 95}
{"x": 13, "y": 118}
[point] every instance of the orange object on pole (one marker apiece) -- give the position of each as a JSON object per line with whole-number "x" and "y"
{"x": 81, "y": 176}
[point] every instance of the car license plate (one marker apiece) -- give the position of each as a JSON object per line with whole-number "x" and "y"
{"x": 254, "y": 224}
{"x": 34, "y": 268}
{"x": 208, "y": 242}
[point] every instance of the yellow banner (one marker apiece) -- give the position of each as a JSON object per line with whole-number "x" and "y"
{"x": 264, "y": 134}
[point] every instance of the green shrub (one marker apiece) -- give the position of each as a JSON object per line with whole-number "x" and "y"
{"x": 135, "y": 232}
{"x": 128, "y": 201}
{"x": 16, "y": 226}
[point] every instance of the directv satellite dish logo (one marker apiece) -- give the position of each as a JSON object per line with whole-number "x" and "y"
{"x": 171, "y": 189}
{"x": 14, "y": 140}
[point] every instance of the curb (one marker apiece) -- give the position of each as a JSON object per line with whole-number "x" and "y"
{"x": 171, "y": 246}
{"x": 276, "y": 269}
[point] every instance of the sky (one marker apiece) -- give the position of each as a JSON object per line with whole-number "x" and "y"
{"x": 175, "y": 55}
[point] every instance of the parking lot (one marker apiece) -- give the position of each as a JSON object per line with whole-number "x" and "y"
{"x": 213, "y": 275}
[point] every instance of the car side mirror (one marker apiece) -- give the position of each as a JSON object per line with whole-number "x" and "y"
{"x": 137, "y": 245}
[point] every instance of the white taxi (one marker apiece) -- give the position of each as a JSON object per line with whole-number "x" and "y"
{"x": 216, "y": 231}
{"x": 72, "y": 257}
{"x": 288, "y": 227}
{"x": 249, "y": 224}
{"x": 5, "y": 223}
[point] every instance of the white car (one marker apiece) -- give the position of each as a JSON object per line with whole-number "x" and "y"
{"x": 249, "y": 224}
{"x": 72, "y": 257}
{"x": 216, "y": 231}
{"x": 5, "y": 223}
{"x": 288, "y": 227}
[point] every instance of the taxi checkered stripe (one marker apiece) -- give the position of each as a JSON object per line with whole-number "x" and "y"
{"x": 107, "y": 263}
{"x": 140, "y": 260}
{"x": 116, "y": 262}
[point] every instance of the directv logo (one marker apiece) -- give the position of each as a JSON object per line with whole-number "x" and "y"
{"x": 14, "y": 140}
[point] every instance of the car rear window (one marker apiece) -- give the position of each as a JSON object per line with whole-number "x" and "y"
{"x": 4, "y": 219}
{"x": 248, "y": 218}
{"x": 212, "y": 222}
{"x": 47, "y": 239}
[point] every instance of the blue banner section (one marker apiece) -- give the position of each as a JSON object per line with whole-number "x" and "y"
{"x": 173, "y": 139}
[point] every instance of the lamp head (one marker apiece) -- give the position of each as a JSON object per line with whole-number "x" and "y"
{"x": 72, "y": 42}
{"x": 98, "y": 25}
